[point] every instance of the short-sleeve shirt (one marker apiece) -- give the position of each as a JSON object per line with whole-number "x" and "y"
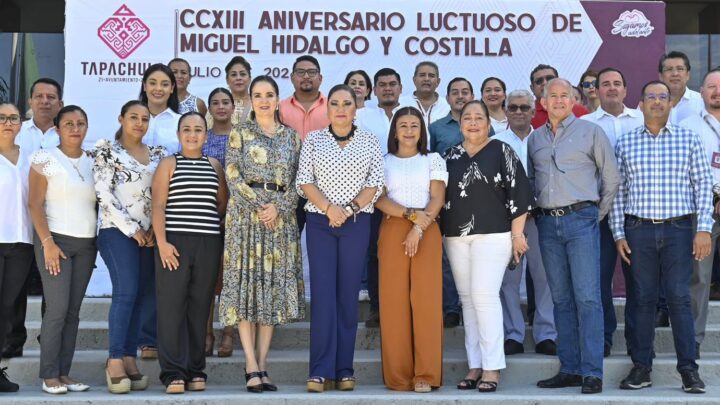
{"x": 407, "y": 180}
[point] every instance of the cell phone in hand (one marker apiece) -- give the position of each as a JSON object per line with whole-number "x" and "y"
{"x": 512, "y": 265}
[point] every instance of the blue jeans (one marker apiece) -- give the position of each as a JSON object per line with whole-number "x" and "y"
{"x": 662, "y": 253}
{"x": 571, "y": 255}
{"x": 131, "y": 270}
{"x": 608, "y": 258}
{"x": 450, "y": 298}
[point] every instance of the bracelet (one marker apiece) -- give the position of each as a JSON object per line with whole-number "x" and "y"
{"x": 328, "y": 207}
{"x": 42, "y": 242}
{"x": 418, "y": 229}
{"x": 513, "y": 237}
{"x": 355, "y": 207}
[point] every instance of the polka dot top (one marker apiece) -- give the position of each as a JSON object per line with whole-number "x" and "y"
{"x": 340, "y": 173}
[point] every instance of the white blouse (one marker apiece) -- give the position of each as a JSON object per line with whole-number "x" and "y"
{"x": 408, "y": 179}
{"x": 122, "y": 185}
{"x": 70, "y": 196}
{"x": 162, "y": 131}
{"x": 499, "y": 126}
{"x": 16, "y": 224}
{"x": 340, "y": 173}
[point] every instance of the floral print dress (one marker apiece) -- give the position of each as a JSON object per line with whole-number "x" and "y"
{"x": 263, "y": 268}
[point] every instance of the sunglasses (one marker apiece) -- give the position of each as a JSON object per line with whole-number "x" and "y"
{"x": 587, "y": 85}
{"x": 515, "y": 107}
{"x": 541, "y": 80}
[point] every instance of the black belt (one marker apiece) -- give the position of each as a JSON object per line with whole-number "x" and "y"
{"x": 562, "y": 211}
{"x": 659, "y": 221}
{"x": 267, "y": 186}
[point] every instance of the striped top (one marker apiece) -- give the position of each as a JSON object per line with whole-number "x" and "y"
{"x": 192, "y": 205}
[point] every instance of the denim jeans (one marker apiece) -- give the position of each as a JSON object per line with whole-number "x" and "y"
{"x": 608, "y": 259}
{"x": 131, "y": 270}
{"x": 662, "y": 253}
{"x": 571, "y": 255}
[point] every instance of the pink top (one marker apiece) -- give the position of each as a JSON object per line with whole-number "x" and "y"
{"x": 293, "y": 114}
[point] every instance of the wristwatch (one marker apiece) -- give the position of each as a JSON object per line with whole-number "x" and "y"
{"x": 410, "y": 214}
{"x": 348, "y": 209}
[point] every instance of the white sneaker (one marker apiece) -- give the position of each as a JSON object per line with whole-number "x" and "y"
{"x": 363, "y": 296}
{"x": 60, "y": 389}
{"x": 77, "y": 387}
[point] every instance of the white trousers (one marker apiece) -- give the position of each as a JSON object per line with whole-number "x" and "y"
{"x": 478, "y": 265}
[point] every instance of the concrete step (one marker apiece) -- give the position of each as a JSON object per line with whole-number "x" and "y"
{"x": 507, "y": 394}
{"x": 291, "y": 367}
{"x": 93, "y": 335}
{"x": 96, "y": 309}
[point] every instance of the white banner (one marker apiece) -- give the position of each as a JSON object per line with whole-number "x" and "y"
{"x": 109, "y": 44}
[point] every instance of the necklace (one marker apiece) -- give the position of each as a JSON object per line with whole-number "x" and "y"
{"x": 343, "y": 138}
{"x": 77, "y": 169}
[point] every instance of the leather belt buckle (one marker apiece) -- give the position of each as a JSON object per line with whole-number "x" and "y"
{"x": 557, "y": 212}
{"x": 657, "y": 221}
{"x": 265, "y": 187}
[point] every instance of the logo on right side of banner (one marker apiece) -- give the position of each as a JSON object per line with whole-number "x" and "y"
{"x": 632, "y": 24}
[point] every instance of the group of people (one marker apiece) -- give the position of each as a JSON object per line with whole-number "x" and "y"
{"x": 435, "y": 205}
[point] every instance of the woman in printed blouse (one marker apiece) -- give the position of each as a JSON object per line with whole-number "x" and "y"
{"x": 221, "y": 110}
{"x": 123, "y": 175}
{"x": 262, "y": 284}
{"x": 62, "y": 204}
{"x": 410, "y": 255}
{"x": 183, "y": 75}
{"x": 189, "y": 198}
{"x": 341, "y": 174}
{"x": 487, "y": 199}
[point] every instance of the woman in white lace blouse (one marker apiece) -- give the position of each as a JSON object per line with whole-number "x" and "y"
{"x": 123, "y": 174}
{"x": 410, "y": 257}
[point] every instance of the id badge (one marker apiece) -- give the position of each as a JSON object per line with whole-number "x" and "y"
{"x": 715, "y": 160}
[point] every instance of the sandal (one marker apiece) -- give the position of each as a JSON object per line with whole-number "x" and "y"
{"x": 468, "y": 383}
{"x": 319, "y": 384}
{"x": 267, "y": 386}
{"x": 138, "y": 382}
{"x": 492, "y": 386}
{"x": 345, "y": 384}
{"x": 148, "y": 352}
{"x": 422, "y": 387}
{"x": 196, "y": 384}
{"x": 226, "y": 343}
{"x": 175, "y": 387}
{"x": 257, "y": 388}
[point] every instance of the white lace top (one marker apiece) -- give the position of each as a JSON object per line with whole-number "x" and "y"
{"x": 70, "y": 197}
{"x": 408, "y": 179}
{"x": 123, "y": 185}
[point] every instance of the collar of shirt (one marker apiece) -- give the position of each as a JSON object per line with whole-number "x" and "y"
{"x": 710, "y": 119}
{"x": 564, "y": 124}
{"x": 626, "y": 112}
{"x": 668, "y": 129}
{"x": 448, "y": 119}
{"x": 539, "y": 106}
{"x": 317, "y": 103}
{"x": 689, "y": 95}
{"x": 30, "y": 124}
{"x": 167, "y": 113}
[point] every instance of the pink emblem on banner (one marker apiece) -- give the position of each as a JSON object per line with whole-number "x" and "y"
{"x": 123, "y": 32}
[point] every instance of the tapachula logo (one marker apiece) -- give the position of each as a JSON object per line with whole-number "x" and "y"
{"x": 123, "y": 32}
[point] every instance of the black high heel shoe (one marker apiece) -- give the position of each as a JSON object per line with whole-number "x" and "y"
{"x": 257, "y": 388}
{"x": 267, "y": 386}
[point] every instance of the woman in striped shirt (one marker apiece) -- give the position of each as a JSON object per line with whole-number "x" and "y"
{"x": 189, "y": 199}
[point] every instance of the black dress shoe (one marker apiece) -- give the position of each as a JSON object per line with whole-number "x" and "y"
{"x": 11, "y": 352}
{"x": 373, "y": 320}
{"x": 513, "y": 347}
{"x": 561, "y": 380}
{"x": 606, "y": 350}
{"x": 661, "y": 319}
{"x": 591, "y": 385}
{"x": 691, "y": 382}
{"x": 547, "y": 346}
{"x": 451, "y": 320}
{"x": 5, "y": 384}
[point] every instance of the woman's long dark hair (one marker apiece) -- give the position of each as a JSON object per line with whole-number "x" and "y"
{"x": 172, "y": 102}
{"x": 273, "y": 83}
{"x": 124, "y": 110}
{"x": 393, "y": 144}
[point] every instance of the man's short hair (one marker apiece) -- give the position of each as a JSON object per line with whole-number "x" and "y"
{"x": 608, "y": 70}
{"x": 674, "y": 55}
{"x": 427, "y": 63}
{"x": 542, "y": 67}
{"x": 519, "y": 93}
{"x": 650, "y": 83}
{"x": 386, "y": 72}
{"x": 553, "y": 81}
{"x": 714, "y": 70}
{"x": 459, "y": 79}
{"x": 306, "y": 58}
{"x": 47, "y": 80}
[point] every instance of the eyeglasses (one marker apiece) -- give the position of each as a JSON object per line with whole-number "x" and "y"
{"x": 309, "y": 72}
{"x": 13, "y": 119}
{"x": 660, "y": 96}
{"x": 515, "y": 107}
{"x": 541, "y": 80}
{"x": 70, "y": 126}
{"x": 670, "y": 69}
{"x": 587, "y": 85}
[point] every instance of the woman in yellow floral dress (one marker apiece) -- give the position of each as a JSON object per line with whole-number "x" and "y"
{"x": 262, "y": 284}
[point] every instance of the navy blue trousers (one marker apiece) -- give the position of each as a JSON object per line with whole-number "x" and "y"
{"x": 337, "y": 259}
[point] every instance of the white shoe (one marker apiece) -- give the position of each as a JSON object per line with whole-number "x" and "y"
{"x": 60, "y": 389}
{"x": 363, "y": 296}
{"x": 77, "y": 387}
